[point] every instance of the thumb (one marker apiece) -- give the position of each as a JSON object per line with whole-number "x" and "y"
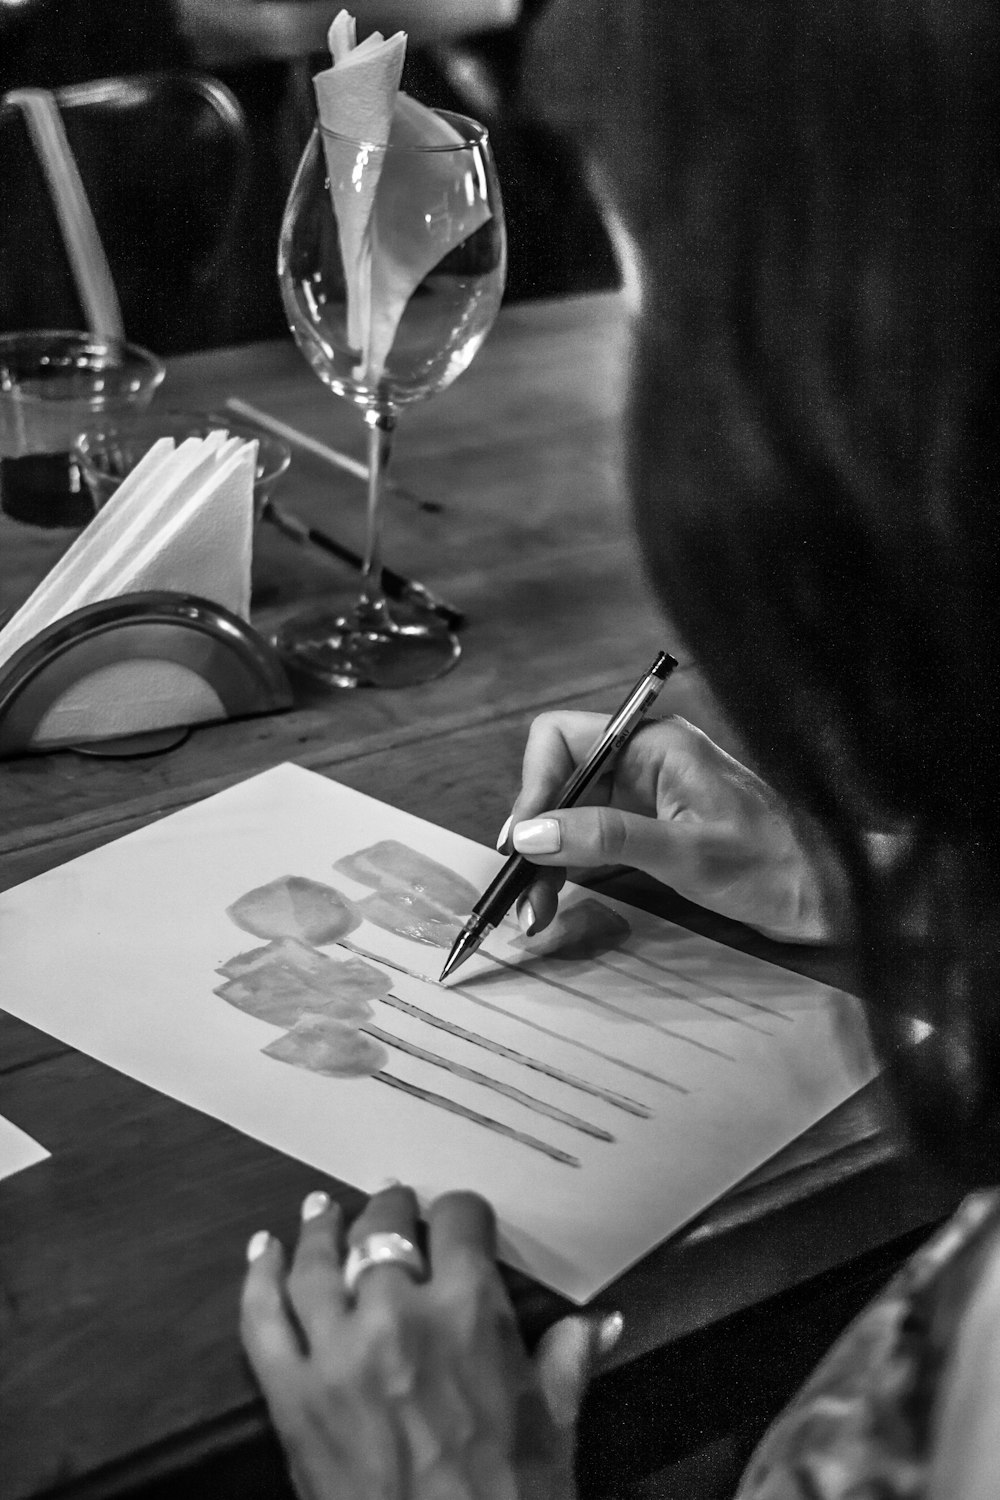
{"x": 592, "y": 836}
{"x": 565, "y": 1359}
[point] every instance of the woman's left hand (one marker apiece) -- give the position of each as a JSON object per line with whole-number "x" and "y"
{"x": 416, "y": 1388}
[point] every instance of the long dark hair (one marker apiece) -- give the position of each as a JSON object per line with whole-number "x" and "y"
{"x": 813, "y": 191}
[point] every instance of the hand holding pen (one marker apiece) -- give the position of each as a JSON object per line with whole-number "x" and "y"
{"x": 675, "y": 806}
{"x": 518, "y": 873}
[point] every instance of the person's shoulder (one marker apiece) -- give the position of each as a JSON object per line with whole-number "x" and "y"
{"x": 866, "y": 1421}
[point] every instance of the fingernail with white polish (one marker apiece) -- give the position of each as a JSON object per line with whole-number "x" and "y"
{"x": 502, "y": 838}
{"x": 314, "y": 1204}
{"x": 537, "y": 836}
{"x": 526, "y": 918}
{"x": 609, "y": 1332}
{"x": 257, "y": 1245}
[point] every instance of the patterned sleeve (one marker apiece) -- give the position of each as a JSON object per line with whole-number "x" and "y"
{"x": 861, "y": 1427}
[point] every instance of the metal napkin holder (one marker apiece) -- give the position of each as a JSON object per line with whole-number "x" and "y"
{"x": 233, "y": 660}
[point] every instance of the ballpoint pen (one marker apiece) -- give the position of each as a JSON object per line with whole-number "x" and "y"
{"x": 518, "y": 873}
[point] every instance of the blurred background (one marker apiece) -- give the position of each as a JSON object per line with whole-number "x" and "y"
{"x": 185, "y": 120}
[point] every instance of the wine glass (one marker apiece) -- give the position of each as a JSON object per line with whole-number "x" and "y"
{"x": 391, "y": 262}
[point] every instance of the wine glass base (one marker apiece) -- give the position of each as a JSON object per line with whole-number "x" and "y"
{"x": 333, "y": 649}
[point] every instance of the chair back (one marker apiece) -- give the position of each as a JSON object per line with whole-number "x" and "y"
{"x": 163, "y": 159}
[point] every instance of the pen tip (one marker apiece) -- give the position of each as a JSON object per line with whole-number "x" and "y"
{"x": 449, "y": 964}
{"x": 463, "y": 945}
{"x": 455, "y": 957}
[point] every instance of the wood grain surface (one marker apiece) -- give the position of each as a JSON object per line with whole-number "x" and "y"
{"x": 121, "y": 1257}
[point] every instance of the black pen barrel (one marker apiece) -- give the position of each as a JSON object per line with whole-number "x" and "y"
{"x": 500, "y": 895}
{"x": 518, "y": 873}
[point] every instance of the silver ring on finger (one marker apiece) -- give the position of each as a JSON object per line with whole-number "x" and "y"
{"x": 385, "y": 1249}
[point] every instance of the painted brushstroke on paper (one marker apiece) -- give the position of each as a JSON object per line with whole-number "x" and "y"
{"x": 270, "y": 957}
{"x": 291, "y": 983}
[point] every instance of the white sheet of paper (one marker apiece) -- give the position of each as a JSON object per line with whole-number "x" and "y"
{"x": 730, "y": 1056}
{"x": 17, "y": 1150}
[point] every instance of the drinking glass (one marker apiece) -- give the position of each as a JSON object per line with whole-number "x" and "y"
{"x": 52, "y": 383}
{"x": 109, "y": 449}
{"x": 372, "y": 234}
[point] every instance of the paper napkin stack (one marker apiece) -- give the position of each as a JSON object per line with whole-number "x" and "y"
{"x": 398, "y": 214}
{"x": 182, "y": 520}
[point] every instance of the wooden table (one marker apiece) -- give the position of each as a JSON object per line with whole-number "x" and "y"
{"x": 120, "y": 1258}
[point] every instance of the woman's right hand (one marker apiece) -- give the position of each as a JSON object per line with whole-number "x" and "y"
{"x": 679, "y": 808}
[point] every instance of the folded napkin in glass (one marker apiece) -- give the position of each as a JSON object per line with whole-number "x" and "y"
{"x": 388, "y": 242}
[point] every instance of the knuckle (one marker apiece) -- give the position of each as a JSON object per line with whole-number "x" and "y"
{"x": 316, "y": 1261}
{"x": 679, "y": 741}
{"x": 308, "y": 1409}
{"x": 314, "y": 1270}
{"x": 542, "y": 732}
{"x": 342, "y": 1368}
{"x": 612, "y": 835}
{"x": 549, "y": 741}
{"x": 315, "y": 1251}
{"x": 290, "y": 1405}
{"x": 390, "y": 1350}
{"x": 257, "y": 1299}
{"x": 717, "y": 863}
{"x": 303, "y": 1285}
{"x": 543, "y": 725}
{"x": 472, "y": 1294}
{"x": 676, "y": 730}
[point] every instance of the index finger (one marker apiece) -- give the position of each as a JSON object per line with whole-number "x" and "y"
{"x": 557, "y": 743}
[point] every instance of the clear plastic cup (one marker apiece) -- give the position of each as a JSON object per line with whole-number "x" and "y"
{"x": 109, "y": 448}
{"x": 53, "y": 383}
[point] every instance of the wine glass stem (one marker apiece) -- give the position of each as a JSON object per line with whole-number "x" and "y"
{"x": 372, "y": 606}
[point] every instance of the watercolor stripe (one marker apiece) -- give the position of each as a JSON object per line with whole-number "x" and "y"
{"x": 558, "y": 1036}
{"x": 472, "y": 1075}
{"x": 608, "y": 1005}
{"x": 620, "y": 1101}
{"x": 678, "y": 994}
{"x": 471, "y": 1114}
{"x": 712, "y": 989}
